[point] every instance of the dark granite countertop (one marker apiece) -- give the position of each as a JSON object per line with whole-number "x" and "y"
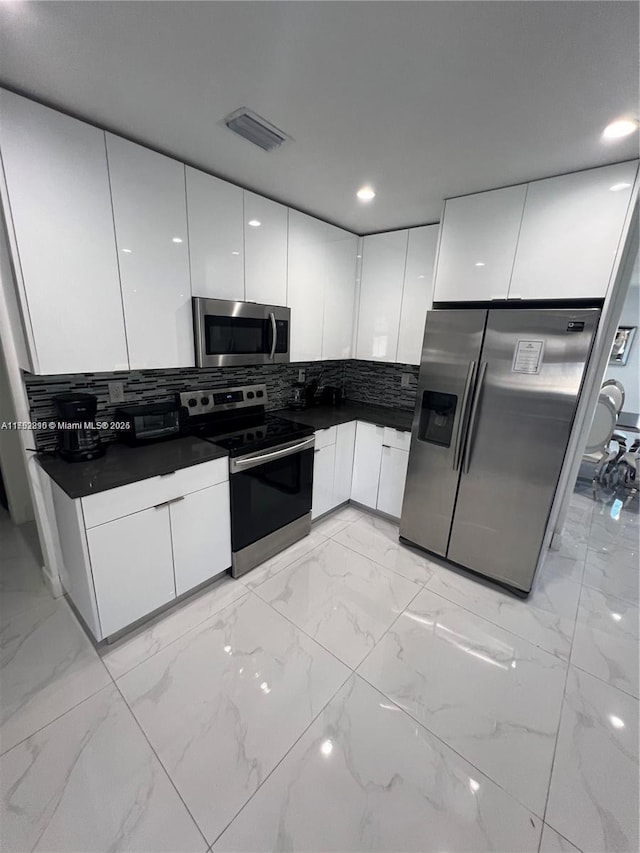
{"x": 122, "y": 464}
{"x": 321, "y": 417}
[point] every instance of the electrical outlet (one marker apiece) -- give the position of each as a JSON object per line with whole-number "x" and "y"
{"x": 302, "y": 374}
{"x": 116, "y": 392}
{"x": 407, "y": 380}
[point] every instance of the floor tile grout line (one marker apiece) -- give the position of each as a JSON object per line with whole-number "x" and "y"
{"x": 179, "y": 637}
{"x": 562, "y": 710}
{"x": 377, "y": 563}
{"x": 161, "y": 763}
{"x": 441, "y": 740}
{"x": 55, "y": 719}
{"x": 561, "y": 836}
{"x": 285, "y": 566}
{"x": 606, "y": 683}
{"x": 275, "y": 767}
{"x": 501, "y": 627}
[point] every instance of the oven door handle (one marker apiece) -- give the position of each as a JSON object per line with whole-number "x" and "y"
{"x": 244, "y": 463}
{"x": 272, "y": 317}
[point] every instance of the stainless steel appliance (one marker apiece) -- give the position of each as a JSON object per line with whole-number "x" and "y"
{"x": 496, "y": 398}
{"x": 148, "y": 422}
{"x": 270, "y": 469}
{"x": 78, "y": 439}
{"x": 231, "y": 333}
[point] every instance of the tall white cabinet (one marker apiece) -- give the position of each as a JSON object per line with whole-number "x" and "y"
{"x": 215, "y": 211}
{"x": 59, "y": 214}
{"x": 383, "y": 264}
{"x": 339, "y": 293}
{"x": 265, "y": 246}
{"x": 306, "y": 285}
{"x": 417, "y": 292}
{"x": 150, "y": 215}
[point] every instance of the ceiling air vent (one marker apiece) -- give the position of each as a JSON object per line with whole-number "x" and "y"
{"x": 255, "y": 129}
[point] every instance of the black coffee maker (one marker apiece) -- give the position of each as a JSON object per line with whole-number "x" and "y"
{"x": 79, "y": 441}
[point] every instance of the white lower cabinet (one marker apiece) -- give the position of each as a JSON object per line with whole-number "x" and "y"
{"x": 380, "y": 463}
{"x": 366, "y": 464}
{"x": 345, "y": 445}
{"x": 393, "y": 475}
{"x": 201, "y": 536}
{"x": 132, "y": 567}
{"x": 324, "y": 459}
{"x": 129, "y": 550}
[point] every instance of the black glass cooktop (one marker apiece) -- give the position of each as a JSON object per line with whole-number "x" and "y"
{"x": 245, "y": 435}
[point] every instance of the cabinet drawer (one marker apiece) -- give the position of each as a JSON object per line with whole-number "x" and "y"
{"x": 396, "y": 438}
{"x": 134, "y": 497}
{"x": 325, "y": 437}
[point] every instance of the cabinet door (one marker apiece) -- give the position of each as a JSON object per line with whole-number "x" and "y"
{"x": 216, "y": 236}
{"x": 323, "y": 467}
{"x": 265, "y": 250}
{"x": 570, "y": 233}
{"x": 306, "y": 283}
{"x": 383, "y": 262}
{"x": 60, "y": 207}
{"x": 339, "y": 294}
{"x": 478, "y": 245}
{"x": 366, "y": 464}
{"x": 201, "y": 536}
{"x": 393, "y": 474}
{"x": 417, "y": 293}
{"x": 150, "y": 214}
{"x": 345, "y": 445}
{"x": 132, "y": 567}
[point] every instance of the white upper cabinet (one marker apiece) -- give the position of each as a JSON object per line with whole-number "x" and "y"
{"x": 60, "y": 209}
{"x": 265, "y": 250}
{"x": 417, "y": 294}
{"x": 150, "y": 214}
{"x": 570, "y": 233}
{"x": 383, "y": 264}
{"x": 478, "y": 245}
{"x": 216, "y": 236}
{"x": 306, "y": 284}
{"x": 339, "y": 293}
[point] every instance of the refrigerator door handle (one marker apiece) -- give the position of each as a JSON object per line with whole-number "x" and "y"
{"x": 462, "y": 420}
{"x": 473, "y": 419}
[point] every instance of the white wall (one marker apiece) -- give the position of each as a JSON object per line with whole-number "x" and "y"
{"x": 12, "y": 459}
{"x": 629, "y": 374}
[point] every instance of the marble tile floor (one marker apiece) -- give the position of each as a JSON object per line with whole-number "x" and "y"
{"x": 350, "y": 694}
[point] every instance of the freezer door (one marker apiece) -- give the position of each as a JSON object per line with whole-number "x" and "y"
{"x": 450, "y": 355}
{"x": 530, "y": 375}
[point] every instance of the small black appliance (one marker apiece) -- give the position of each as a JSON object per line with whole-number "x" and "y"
{"x": 148, "y": 422}
{"x": 78, "y": 440}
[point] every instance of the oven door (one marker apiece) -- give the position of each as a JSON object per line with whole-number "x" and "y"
{"x": 269, "y": 490}
{"x": 232, "y": 333}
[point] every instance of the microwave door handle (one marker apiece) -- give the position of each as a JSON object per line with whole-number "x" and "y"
{"x": 473, "y": 420}
{"x": 272, "y": 317}
{"x": 463, "y": 417}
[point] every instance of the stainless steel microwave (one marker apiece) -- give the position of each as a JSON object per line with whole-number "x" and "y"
{"x": 229, "y": 333}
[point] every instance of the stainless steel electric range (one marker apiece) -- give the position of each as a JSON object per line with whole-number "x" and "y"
{"x": 270, "y": 469}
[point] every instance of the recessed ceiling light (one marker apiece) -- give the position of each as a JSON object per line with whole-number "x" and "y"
{"x": 617, "y": 187}
{"x": 616, "y": 722}
{"x": 255, "y": 223}
{"x": 176, "y": 239}
{"x": 619, "y": 128}
{"x": 235, "y": 253}
{"x": 128, "y": 251}
{"x": 480, "y": 263}
{"x": 365, "y": 194}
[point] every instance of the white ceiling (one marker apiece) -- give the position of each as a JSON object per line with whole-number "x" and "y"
{"x": 424, "y": 100}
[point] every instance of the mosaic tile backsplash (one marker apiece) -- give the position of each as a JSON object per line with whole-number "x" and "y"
{"x": 361, "y": 381}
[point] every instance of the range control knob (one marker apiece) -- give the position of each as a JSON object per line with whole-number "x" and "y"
{"x": 249, "y": 436}
{"x": 204, "y": 401}
{"x": 259, "y": 393}
{"x": 259, "y": 434}
{"x": 250, "y": 395}
{"x": 192, "y": 402}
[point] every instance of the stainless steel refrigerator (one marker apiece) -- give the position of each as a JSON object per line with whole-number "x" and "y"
{"x": 496, "y": 399}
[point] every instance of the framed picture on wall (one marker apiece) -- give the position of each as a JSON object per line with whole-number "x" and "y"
{"x": 622, "y": 345}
